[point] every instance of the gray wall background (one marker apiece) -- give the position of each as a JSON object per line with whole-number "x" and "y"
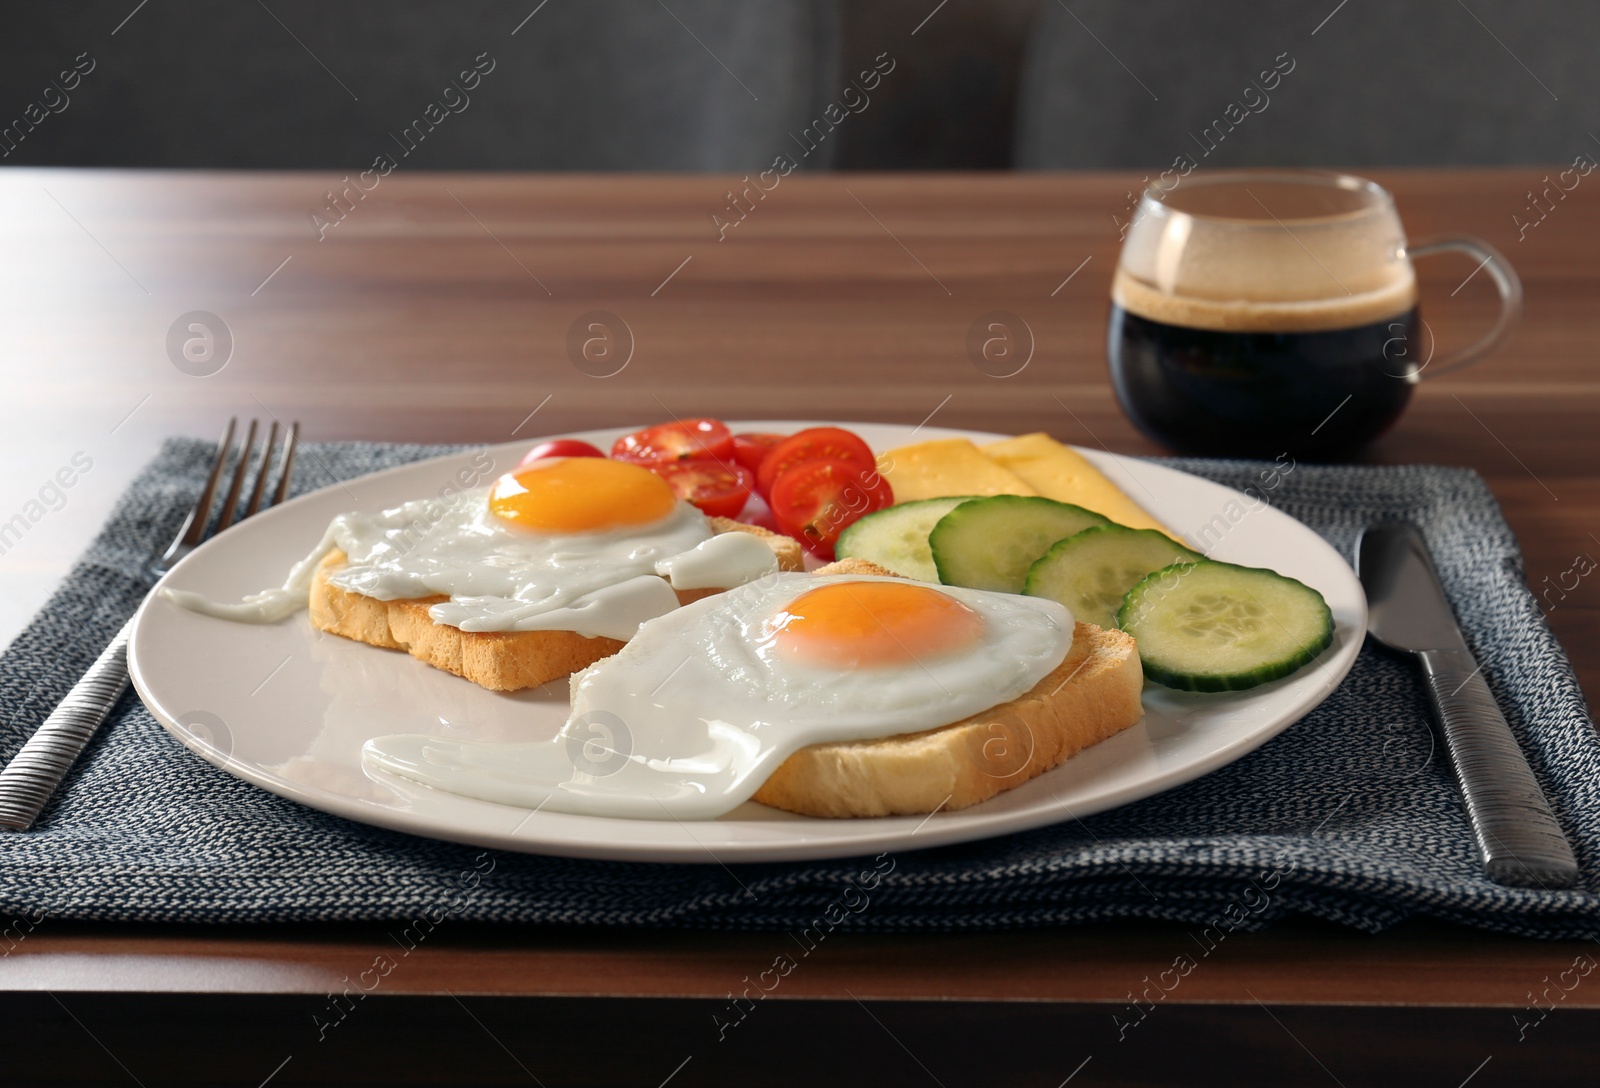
{"x": 574, "y": 84}
{"x": 1405, "y": 82}
{"x": 719, "y": 84}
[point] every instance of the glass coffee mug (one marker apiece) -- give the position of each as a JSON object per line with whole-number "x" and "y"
{"x": 1257, "y": 313}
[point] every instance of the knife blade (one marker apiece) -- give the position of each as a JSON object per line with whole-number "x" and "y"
{"x": 1519, "y": 839}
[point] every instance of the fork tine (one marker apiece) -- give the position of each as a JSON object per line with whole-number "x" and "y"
{"x": 286, "y": 463}
{"x": 225, "y": 515}
{"x": 194, "y": 528}
{"x": 261, "y": 473}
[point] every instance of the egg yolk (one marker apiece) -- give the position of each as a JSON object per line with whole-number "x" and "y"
{"x": 580, "y": 495}
{"x": 874, "y": 624}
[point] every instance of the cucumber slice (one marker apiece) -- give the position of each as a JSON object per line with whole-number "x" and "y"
{"x": 990, "y": 543}
{"x": 1211, "y": 626}
{"x": 897, "y": 537}
{"x": 1090, "y": 572}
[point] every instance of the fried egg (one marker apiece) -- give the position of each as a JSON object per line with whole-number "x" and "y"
{"x": 692, "y": 716}
{"x": 581, "y": 544}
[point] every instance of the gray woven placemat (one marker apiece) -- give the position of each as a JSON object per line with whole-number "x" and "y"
{"x": 1344, "y": 816}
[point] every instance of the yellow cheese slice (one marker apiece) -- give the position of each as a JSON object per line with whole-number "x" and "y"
{"x": 1060, "y": 472}
{"x": 946, "y": 466}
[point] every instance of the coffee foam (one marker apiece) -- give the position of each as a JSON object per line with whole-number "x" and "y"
{"x": 1264, "y": 315}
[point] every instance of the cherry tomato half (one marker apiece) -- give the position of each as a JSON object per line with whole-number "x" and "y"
{"x": 811, "y": 444}
{"x": 815, "y": 501}
{"x": 560, "y": 447}
{"x": 718, "y": 488}
{"x": 751, "y": 448}
{"x": 680, "y": 440}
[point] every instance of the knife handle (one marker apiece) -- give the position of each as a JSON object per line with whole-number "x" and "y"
{"x": 1521, "y": 842}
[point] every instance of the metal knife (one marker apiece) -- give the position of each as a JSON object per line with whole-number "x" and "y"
{"x": 1521, "y": 843}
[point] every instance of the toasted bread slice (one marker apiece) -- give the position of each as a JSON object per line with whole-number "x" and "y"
{"x": 498, "y": 660}
{"x": 1093, "y": 694}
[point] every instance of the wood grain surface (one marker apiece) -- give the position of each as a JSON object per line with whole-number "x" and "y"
{"x": 438, "y": 309}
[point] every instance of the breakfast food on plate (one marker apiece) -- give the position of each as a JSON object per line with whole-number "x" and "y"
{"x": 752, "y": 447}
{"x": 1209, "y": 626}
{"x": 1065, "y": 532}
{"x": 818, "y": 481}
{"x": 560, "y": 447}
{"x": 1091, "y": 571}
{"x": 947, "y": 466}
{"x": 997, "y": 620}
{"x": 678, "y": 440}
{"x": 550, "y": 569}
{"x": 811, "y": 444}
{"x": 1030, "y": 464}
{"x": 896, "y": 538}
{"x": 1057, "y": 471}
{"x": 990, "y": 543}
{"x": 1091, "y": 695}
{"x": 557, "y": 564}
{"x": 815, "y": 482}
{"x": 847, "y": 692}
{"x": 511, "y": 660}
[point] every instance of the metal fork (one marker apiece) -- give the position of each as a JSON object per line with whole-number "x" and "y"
{"x": 34, "y": 773}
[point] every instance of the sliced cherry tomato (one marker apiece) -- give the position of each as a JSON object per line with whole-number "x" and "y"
{"x": 560, "y": 447}
{"x": 751, "y": 449}
{"x": 811, "y": 444}
{"x": 718, "y": 488}
{"x": 680, "y": 440}
{"x": 815, "y": 501}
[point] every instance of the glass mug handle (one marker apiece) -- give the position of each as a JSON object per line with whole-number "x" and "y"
{"x": 1506, "y": 282}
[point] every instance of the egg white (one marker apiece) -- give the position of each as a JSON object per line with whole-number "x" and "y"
{"x": 503, "y": 578}
{"x": 692, "y": 715}
{"x": 710, "y": 660}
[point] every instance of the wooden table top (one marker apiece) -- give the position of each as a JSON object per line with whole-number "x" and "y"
{"x": 436, "y": 308}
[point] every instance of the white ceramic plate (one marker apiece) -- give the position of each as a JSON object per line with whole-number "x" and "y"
{"x": 288, "y": 708}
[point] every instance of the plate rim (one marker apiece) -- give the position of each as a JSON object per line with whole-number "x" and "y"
{"x": 884, "y": 833}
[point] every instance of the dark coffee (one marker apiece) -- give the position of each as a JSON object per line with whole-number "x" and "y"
{"x": 1316, "y": 394}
